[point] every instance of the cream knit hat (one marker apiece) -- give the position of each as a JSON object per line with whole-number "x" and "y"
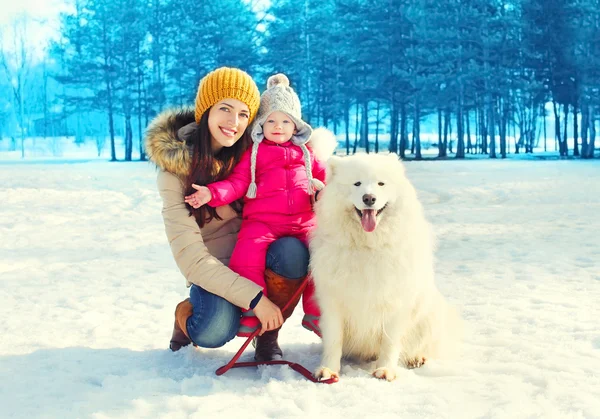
{"x": 279, "y": 96}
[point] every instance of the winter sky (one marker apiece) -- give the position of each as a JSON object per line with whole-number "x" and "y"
{"x": 44, "y": 22}
{"x": 38, "y": 8}
{"x": 43, "y": 15}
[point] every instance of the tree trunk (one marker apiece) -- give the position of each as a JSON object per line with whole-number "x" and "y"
{"x": 575, "y": 131}
{"x": 365, "y": 126}
{"x": 468, "y": 125}
{"x": 403, "y": 130}
{"x": 109, "y": 93}
{"x": 557, "y": 127}
{"x": 492, "y": 127}
{"x": 128, "y": 137}
{"x": 111, "y": 127}
{"x": 543, "y": 105}
{"x": 444, "y": 148}
{"x": 356, "y": 125}
{"x": 503, "y": 124}
{"x": 347, "y": 122}
{"x": 557, "y": 136}
{"x": 448, "y": 143}
{"x": 460, "y": 139}
{"x": 592, "y": 145}
{"x": 584, "y": 130}
{"x": 157, "y": 50}
{"x": 394, "y": 129}
{"x": 308, "y": 103}
{"x": 512, "y": 135}
{"x": 535, "y": 135}
{"x": 483, "y": 131}
{"x": 377, "y": 127}
{"x": 521, "y": 134}
{"x": 45, "y": 98}
{"x": 565, "y": 144}
{"x": 22, "y": 125}
{"x": 146, "y": 108}
{"x": 412, "y": 143}
{"x": 440, "y": 134}
{"x": 140, "y": 78}
{"x": 417, "y": 131}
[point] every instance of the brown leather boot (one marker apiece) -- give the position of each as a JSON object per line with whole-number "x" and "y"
{"x": 180, "y": 337}
{"x": 267, "y": 348}
{"x": 279, "y": 290}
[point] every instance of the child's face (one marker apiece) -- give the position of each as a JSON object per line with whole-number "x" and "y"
{"x": 279, "y": 127}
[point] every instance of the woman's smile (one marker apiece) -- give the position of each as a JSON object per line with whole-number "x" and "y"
{"x": 228, "y": 132}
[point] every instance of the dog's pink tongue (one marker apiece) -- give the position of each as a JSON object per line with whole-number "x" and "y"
{"x": 368, "y": 220}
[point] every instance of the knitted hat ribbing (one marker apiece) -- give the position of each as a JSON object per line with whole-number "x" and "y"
{"x": 279, "y": 96}
{"x": 224, "y": 83}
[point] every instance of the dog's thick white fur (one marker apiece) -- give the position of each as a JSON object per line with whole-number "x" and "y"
{"x": 372, "y": 264}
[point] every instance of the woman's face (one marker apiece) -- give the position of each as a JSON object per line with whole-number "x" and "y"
{"x": 227, "y": 121}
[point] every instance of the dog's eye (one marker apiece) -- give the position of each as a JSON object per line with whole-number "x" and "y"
{"x": 381, "y": 183}
{"x": 357, "y": 184}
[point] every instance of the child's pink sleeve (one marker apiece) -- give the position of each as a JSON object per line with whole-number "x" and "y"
{"x": 236, "y": 185}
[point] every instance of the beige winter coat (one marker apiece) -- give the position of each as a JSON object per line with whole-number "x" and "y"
{"x": 202, "y": 255}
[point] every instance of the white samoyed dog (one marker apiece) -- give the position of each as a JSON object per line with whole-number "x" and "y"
{"x": 372, "y": 265}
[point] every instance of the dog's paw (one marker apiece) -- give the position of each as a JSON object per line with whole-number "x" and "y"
{"x": 324, "y": 373}
{"x": 385, "y": 373}
{"x": 415, "y": 362}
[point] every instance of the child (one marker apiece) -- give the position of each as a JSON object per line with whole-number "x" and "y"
{"x": 278, "y": 177}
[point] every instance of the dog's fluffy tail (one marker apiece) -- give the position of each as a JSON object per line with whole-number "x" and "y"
{"x": 323, "y": 143}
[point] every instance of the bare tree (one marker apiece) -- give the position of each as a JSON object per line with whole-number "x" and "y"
{"x": 16, "y": 63}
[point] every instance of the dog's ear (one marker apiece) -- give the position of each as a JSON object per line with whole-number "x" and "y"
{"x": 332, "y": 162}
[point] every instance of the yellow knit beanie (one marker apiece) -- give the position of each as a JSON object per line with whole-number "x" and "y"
{"x": 225, "y": 83}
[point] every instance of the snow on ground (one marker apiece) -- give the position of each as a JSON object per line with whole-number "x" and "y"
{"x": 88, "y": 288}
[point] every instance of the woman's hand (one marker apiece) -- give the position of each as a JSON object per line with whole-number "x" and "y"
{"x": 197, "y": 199}
{"x": 268, "y": 314}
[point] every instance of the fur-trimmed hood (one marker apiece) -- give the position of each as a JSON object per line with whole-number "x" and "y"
{"x": 166, "y": 144}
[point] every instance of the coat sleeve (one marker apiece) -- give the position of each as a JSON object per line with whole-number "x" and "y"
{"x": 235, "y": 186}
{"x": 194, "y": 260}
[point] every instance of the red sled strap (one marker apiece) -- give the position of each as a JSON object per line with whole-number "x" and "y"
{"x": 296, "y": 367}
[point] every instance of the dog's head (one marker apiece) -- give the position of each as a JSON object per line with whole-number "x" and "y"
{"x": 367, "y": 186}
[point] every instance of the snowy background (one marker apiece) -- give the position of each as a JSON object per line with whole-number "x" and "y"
{"x": 88, "y": 288}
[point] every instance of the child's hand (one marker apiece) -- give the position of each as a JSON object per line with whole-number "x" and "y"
{"x": 197, "y": 199}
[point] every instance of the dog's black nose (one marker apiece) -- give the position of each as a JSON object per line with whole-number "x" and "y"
{"x": 369, "y": 199}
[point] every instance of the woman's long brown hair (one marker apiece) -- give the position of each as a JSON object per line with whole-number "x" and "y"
{"x": 207, "y": 168}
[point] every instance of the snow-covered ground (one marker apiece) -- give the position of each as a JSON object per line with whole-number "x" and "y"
{"x": 88, "y": 288}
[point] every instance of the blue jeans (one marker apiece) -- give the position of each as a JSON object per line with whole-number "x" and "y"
{"x": 215, "y": 321}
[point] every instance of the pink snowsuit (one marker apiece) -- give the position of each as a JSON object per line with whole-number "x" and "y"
{"x": 282, "y": 207}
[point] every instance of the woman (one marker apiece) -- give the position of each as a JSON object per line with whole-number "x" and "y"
{"x": 200, "y": 146}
